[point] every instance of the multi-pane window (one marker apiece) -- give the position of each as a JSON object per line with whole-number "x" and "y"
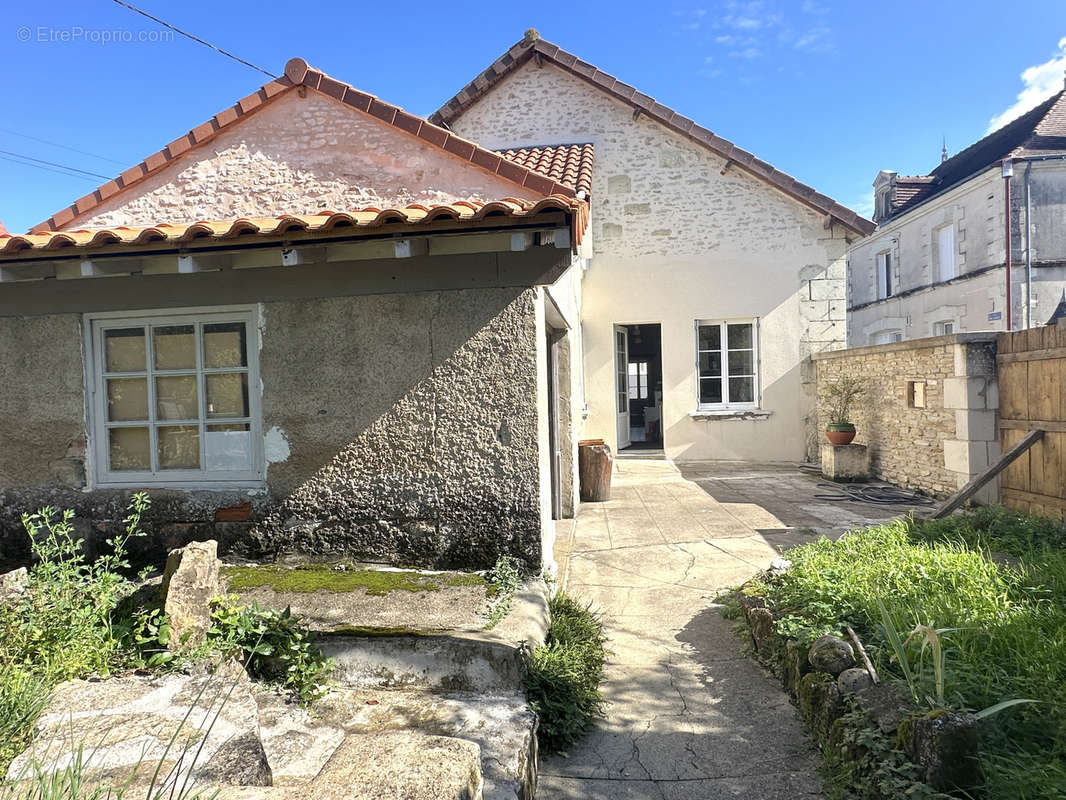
{"x": 621, "y": 359}
{"x": 884, "y": 275}
{"x": 944, "y": 327}
{"x": 638, "y": 380}
{"x": 175, "y": 398}
{"x": 728, "y": 357}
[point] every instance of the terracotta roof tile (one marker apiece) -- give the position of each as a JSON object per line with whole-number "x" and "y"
{"x": 460, "y": 212}
{"x": 569, "y": 164}
{"x": 298, "y": 73}
{"x": 529, "y": 47}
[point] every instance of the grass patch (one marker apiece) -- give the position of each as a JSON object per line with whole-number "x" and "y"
{"x": 1007, "y": 637}
{"x": 314, "y": 578}
{"x": 563, "y": 680}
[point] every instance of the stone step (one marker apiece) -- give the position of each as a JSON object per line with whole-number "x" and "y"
{"x": 298, "y": 744}
{"x": 452, "y": 661}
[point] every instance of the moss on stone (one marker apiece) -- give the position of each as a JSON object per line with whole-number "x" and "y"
{"x": 313, "y": 578}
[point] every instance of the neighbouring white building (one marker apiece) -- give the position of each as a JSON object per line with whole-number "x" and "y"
{"x": 936, "y": 263}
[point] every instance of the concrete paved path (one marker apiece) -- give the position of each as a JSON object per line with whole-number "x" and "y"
{"x": 690, "y": 716}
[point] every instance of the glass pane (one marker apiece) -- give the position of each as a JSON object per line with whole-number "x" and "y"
{"x": 710, "y": 365}
{"x": 634, "y": 389}
{"x": 225, "y": 345}
{"x": 739, "y": 336}
{"x": 741, "y": 362}
{"x": 124, "y": 350}
{"x": 128, "y": 449}
{"x": 741, "y": 390}
{"x": 710, "y": 390}
{"x": 179, "y": 447}
{"x": 634, "y": 368}
{"x": 127, "y": 399}
{"x": 710, "y": 337}
{"x": 175, "y": 347}
{"x": 175, "y": 397}
{"x": 227, "y": 394}
{"x": 228, "y": 447}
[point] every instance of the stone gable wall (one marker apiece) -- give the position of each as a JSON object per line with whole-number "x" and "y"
{"x": 677, "y": 236}
{"x": 299, "y": 155}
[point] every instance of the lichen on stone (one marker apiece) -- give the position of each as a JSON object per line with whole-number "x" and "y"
{"x": 313, "y": 578}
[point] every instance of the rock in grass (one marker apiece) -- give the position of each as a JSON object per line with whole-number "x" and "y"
{"x": 13, "y": 585}
{"x": 831, "y": 654}
{"x": 853, "y": 680}
{"x": 190, "y": 583}
{"x": 944, "y": 744}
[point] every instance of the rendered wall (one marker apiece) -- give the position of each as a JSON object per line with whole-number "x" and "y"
{"x": 678, "y": 237}
{"x": 401, "y": 428}
{"x": 299, "y": 155}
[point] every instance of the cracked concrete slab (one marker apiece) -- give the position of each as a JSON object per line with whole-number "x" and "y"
{"x": 689, "y": 715}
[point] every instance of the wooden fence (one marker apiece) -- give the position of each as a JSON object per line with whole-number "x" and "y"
{"x": 1032, "y": 395}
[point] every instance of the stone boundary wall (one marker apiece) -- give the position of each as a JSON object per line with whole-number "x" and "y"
{"x": 934, "y": 443}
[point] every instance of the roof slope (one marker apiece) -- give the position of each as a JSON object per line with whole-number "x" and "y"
{"x": 246, "y": 229}
{"x": 569, "y": 164}
{"x": 1038, "y": 132}
{"x": 533, "y": 47}
{"x": 298, "y": 73}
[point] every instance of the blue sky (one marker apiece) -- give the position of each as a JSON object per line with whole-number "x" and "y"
{"x": 829, "y": 92}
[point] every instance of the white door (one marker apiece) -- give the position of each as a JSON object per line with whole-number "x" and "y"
{"x": 621, "y": 383}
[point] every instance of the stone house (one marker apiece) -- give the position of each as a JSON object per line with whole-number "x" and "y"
{"x": 319, "y": 325}
{"x": 712, "y": 277}
{"x": 936, "y": 263}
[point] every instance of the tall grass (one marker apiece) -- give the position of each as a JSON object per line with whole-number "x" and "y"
{"x": 1007, "y": 626}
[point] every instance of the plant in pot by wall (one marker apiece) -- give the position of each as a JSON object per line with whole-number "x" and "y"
{"x": 842, "y": 395}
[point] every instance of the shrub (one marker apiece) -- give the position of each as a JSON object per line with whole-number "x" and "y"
{"x": 273, "y": 647}
{"x": 564, "y": 675}
{"x": 504, "y": 579}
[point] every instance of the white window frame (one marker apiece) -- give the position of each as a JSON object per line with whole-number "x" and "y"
{"x": 940, "y": 274}
{"x": 96, "y": 394}
{"x": 894, "y": 335}
{"x": 939, "y": 327}
{"x": 884, "y": 274}
{"x": 726, "y": 404}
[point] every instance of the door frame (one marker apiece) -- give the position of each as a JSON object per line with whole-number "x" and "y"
{"x": 621, "y": 385}
{"x": 625, "y": 384}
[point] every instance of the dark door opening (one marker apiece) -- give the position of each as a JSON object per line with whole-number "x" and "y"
{"x": 644, "y": 387}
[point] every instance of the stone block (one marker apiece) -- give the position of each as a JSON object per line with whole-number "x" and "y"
{"x": 966, "y": 392}
{"x": 190, "y": 583}
{"x": 975, "y": 425}
{"x": 845, "y": 462}
{"x": 944, "y": 744}
{"x": 968, "y": 458}
{"x": 824, "y": 289}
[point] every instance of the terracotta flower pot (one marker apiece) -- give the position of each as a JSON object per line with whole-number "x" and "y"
{"x": 840, "y": 433}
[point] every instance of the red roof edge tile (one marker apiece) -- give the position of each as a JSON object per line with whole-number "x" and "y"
{"x": 529, "y": 46}
{"x": 299, "y": 73}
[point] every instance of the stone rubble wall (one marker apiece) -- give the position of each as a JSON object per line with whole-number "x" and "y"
{"x": 937, "y": 448}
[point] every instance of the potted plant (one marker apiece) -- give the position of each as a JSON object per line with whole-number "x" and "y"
{"x": 841, "y": 396}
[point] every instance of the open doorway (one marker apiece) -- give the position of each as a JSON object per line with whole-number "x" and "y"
{"x": 639, "y": 377}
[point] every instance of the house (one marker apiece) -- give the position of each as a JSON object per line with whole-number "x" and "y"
{"x": 713, "y": 275}
{"x": 937, "y": 262}
{"x": 319, "y": 325}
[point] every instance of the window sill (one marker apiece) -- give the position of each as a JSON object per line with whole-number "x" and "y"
{"x": 731, "y": 413}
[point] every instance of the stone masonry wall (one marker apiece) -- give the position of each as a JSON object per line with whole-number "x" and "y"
{"x": 299, "y": 155}
{"x": 937, "y": 444}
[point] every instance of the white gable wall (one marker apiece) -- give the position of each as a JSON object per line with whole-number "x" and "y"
{"x": 676, "y": 240}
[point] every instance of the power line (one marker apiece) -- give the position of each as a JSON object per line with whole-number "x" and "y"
{"x": 47, "y": 169}
{"x": 54, "y": 164}
{"x": 64, "y": 146}
{"x": 188, "y": 35}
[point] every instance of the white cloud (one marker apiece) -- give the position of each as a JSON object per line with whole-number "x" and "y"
{"x": 1041, "y": 82}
